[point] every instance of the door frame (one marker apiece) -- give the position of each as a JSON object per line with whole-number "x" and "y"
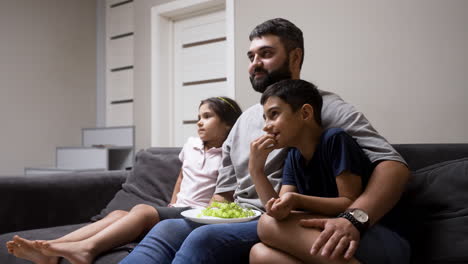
{"x": 162, "y": 92}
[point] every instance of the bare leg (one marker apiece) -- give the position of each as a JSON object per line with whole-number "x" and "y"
{"x": 139, "y": 220}
{"x": 23, "y": 248}
{"x": 91, "y": 229}
{"x": 30, "y": 250}
{"x": 263, "y": 254}
{"x": 289, "y": 237}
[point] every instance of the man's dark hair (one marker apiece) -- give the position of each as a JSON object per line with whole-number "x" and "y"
{"x": 227, "y": 109}
{"x": 290, "y": 35}
{"x": 296, "y": 93}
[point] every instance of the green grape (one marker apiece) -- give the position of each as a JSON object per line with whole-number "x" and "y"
{"x": 226, "y": 210}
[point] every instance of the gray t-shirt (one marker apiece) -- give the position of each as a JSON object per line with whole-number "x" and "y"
{"x": 234, "y": 174}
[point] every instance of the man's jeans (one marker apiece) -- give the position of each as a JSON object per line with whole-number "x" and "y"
{"x": 183, "y": 242}
{"x": 169, "y": 242}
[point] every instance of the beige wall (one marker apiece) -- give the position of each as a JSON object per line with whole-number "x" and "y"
{"x": 403, "y": 63}
{"x": 142, "y": 71}
{"x": 47, "y": 79}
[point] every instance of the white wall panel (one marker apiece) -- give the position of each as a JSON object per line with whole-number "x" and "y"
{"x": 189, "y": 130}
{"x": 199, "y": 69}
{"x": 120, "y": 85}
{"x": 204, "y": 62}
{"x": 120, "y": 18}
{"x": 212, "y": 26}
{"x": 120, "y": 52}
{"x": 193, "y": 95}
{"x": 120, "y": 114}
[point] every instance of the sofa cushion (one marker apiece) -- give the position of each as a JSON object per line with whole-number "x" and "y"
{"x": 151, "y": 181}
{"x": 436, "y": 213}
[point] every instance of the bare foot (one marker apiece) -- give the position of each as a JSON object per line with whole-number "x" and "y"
{"x": 38, "y": 244}
{"x": 10, "y": 245}
{"x": 75, "y": 252}
{"x": 23, "y": 248}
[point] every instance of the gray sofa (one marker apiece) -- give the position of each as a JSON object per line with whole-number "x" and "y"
{"x": 432, "y": 214}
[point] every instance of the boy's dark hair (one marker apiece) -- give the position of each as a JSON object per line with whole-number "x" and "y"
{"x": 296, "y": 93}
{"x": 290, "y": 35}
{"x": 227, "y": 109}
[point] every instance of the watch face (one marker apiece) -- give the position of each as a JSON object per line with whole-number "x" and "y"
{"x": 360, "y": 215}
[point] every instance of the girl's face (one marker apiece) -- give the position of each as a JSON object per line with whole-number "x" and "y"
{"x": 211, "y": 130}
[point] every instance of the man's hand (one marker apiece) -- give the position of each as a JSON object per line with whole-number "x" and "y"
{"x": 222, "y": 197}
{"x": 280, "y": 208}
{"x": 339, "y": 238}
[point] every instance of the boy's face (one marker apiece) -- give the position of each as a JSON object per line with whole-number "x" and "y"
{"x": 282, "y": 123}
{"x": 269, "y": 62}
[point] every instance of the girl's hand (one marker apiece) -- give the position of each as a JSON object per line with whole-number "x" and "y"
{"x": 281, "y": 207}
{"x": 259, "y": 150}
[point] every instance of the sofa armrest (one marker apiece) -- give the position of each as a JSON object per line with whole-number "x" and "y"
{"x": 38, "y": 201}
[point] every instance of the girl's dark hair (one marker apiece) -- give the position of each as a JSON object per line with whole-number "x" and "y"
{"x": 290, "y": 35}
{"x": 226, "y": 108}
{"x": 296, "y": 93}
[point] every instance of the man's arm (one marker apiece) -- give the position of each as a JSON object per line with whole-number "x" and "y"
{"x": 383, "y": 191}
{"x": 223, "y": 197}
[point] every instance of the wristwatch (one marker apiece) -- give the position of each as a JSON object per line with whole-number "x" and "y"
{"x": 358, "y": 218}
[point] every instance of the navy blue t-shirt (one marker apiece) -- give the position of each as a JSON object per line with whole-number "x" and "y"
{"x": 337, "y": 152}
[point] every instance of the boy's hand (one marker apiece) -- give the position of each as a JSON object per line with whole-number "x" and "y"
{"x": 259, "y": 150}
{"x": 281, "y": 207}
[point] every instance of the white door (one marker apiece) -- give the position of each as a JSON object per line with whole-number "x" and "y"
{"x": 200, "y": 55}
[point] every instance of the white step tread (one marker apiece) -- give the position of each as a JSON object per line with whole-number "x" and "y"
{"x": 52, "y": 170}
{"x": 116, "y": 136}
{"x": 81, "y": 158}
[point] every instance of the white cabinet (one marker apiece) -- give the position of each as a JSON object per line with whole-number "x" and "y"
{"x": 107, "y": 148}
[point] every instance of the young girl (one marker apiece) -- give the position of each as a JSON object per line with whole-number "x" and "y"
{"x": 201, "y": 159}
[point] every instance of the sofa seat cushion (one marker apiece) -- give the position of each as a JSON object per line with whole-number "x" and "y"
{"x": 436, "y": 213}
{"x": 151, "y": 181}
{"x": 113, "y": 256}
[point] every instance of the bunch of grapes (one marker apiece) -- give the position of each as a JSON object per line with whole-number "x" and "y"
{"x": 226, "y": 210}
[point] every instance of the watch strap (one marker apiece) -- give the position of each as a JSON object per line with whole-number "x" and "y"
{"x": 359, "y": 226}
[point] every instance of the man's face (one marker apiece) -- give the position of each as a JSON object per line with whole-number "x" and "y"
{"x": 269, "y": 62}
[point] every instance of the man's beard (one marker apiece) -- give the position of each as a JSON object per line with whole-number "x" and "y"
{"x": 275, "y": 76}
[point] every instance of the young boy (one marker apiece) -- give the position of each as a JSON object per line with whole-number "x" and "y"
{"x": 324, "y": 172}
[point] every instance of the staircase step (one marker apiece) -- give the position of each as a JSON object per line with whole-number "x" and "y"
{"x": 41, "y": 171}
{"x": 108, "y": 136}
{"x": 103, "y": 148}
{"x": 76, "y": 158}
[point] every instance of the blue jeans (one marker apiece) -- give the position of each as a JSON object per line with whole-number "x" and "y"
{"x": 382, "y": 245}
{"x": 183, "y": 241}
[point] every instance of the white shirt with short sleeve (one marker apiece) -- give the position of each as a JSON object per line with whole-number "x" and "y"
{"x": 199, "y": 174}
